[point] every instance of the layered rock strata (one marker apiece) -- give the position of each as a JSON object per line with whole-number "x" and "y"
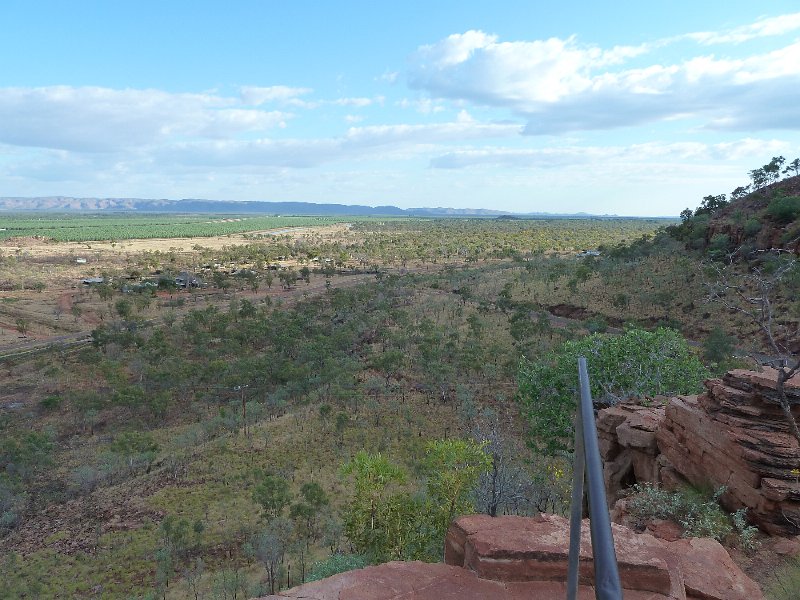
{"x": 733, "y": 435}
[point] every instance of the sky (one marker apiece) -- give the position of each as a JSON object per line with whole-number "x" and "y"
{"x": 633, "y": 108}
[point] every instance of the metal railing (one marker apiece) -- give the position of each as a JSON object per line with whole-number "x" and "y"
{"x": 588, "y": 468}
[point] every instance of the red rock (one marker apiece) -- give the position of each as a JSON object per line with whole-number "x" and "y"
{"x": 787, "y": 546}
{"x": 535, "y": 549}
{"x": 665, "y": 530}
{"x": 710, "y": 573}
{"x": 734, "y": 435}
{"x": 424, "y": 581}
{"x": 633, "y": 437}
{"x": 779, "y": 489}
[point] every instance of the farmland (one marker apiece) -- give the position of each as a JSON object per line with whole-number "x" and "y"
{"x": 72, "y": 228}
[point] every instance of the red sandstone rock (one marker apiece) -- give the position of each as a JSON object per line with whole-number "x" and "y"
{"x": 787, "y": 546}
{"x": 516, "y": 558}
{"x": 665, "y": 530}
{"x": 710, "y": 573}
{"x": 423, "y": 581}
{"x": 734, "y": 435}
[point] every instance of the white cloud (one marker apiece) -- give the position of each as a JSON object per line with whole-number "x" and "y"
{"x": 358, "y": 143}
{"x": 94, "y": 119}
{"x": 646, "y": 153}
{"x": 562, "y": 85}
{"x": 423, "y": 106}
{"x": 255, "y": 96}
{"x": 772, "y": 26}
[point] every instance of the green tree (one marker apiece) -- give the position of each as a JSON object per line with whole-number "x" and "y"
{"x": 453, "y": 467}
{"x": 718, "y": 346}
{"x": 135, "y": 448}
{"x": 369, "y": 513}
{"x": 124, "y": 308}
{"x": 273, "y": 495}
{"x": 633, "y": 364}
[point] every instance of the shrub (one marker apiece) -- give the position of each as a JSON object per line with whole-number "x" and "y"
{"x": 752, "y": 227}
{"x": 336, "y": 563}
{"x": 51, "y": 402}
{"x": 635, "y": 363}
{"x": 784, "y": 210}
{"x": 699, "y": 515}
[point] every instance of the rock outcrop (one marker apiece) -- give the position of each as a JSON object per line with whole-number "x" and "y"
{"x": 733, "y": 435}
{"x": 510, "y": 558}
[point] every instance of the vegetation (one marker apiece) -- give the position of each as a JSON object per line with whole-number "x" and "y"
{"x": 698, "y": 514}
{"x": 81, "y": 228}
{"x": 215, "y": 421}
{"x": 636, "y": 363}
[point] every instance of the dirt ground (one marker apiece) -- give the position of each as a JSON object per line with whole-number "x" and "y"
{"x": 66, "y": 306}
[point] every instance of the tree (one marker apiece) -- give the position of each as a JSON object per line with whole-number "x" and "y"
{"x": 368, "y": 514}
{"x": 740, "y": 192}
{"x": 453, "y": 467}
{"x": 136, "y": 448}
{"x": 270, "y": 547}
{"x": 273, "y": 495}
{"x": 760, "y": 178}
{"x": 632, "y": 364}
{"x": 124, "y": 308}
{"x": 23, "y": 326}
{"x": 772, "y": 169}
{"x": 718, "y": 346}
{"x": 505, "y": 486}
{"x": 751, "y": 293}
{"x": 793, "y": 166}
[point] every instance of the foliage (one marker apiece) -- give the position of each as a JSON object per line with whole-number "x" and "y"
{"x": 635, "y": 363}
{"x": 336, "y": 563}
{"x": 453, "y": 467}
{"x": 698, "y": 515}
{"x": 784, "y": 209}
{"x": 385, "y": 522}
{"x": 718, "y": 346}
{"x": 80, "y": 228}
{"x": 273, "y": 495}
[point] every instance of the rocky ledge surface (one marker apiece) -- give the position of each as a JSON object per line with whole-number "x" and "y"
{"x": 511, "y": 558}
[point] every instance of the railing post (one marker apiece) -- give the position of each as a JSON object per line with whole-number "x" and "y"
{"x": 576, "y": 511}
{"x": 588, "y": 466}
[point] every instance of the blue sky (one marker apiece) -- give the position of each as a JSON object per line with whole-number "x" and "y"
{"x": 634, "y": 108}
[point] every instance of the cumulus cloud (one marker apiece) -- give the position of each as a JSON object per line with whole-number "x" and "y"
{"x": 564, "y": 85}
{"x": 94, "y": 119}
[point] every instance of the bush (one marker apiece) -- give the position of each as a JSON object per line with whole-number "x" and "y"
{"x": 336, "y": 563}
{"x": 752, "y": 227}
{"x": 51, "y": 402}
{"x": 596, "y": 325}
{"x": 784, "y": 210}
{"x": 699, "y": 515}
{"x": 636, "y": 363}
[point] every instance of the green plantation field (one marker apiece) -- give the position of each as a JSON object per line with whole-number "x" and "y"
{"x": 471, "y": 238}
{"x": 82, "y": 228}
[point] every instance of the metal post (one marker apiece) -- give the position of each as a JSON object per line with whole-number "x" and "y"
{"x": 606, "y": 574}
{"x": 576, "y": 511}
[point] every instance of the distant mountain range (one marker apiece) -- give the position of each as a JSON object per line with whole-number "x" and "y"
{"x": 191, "y": 206}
